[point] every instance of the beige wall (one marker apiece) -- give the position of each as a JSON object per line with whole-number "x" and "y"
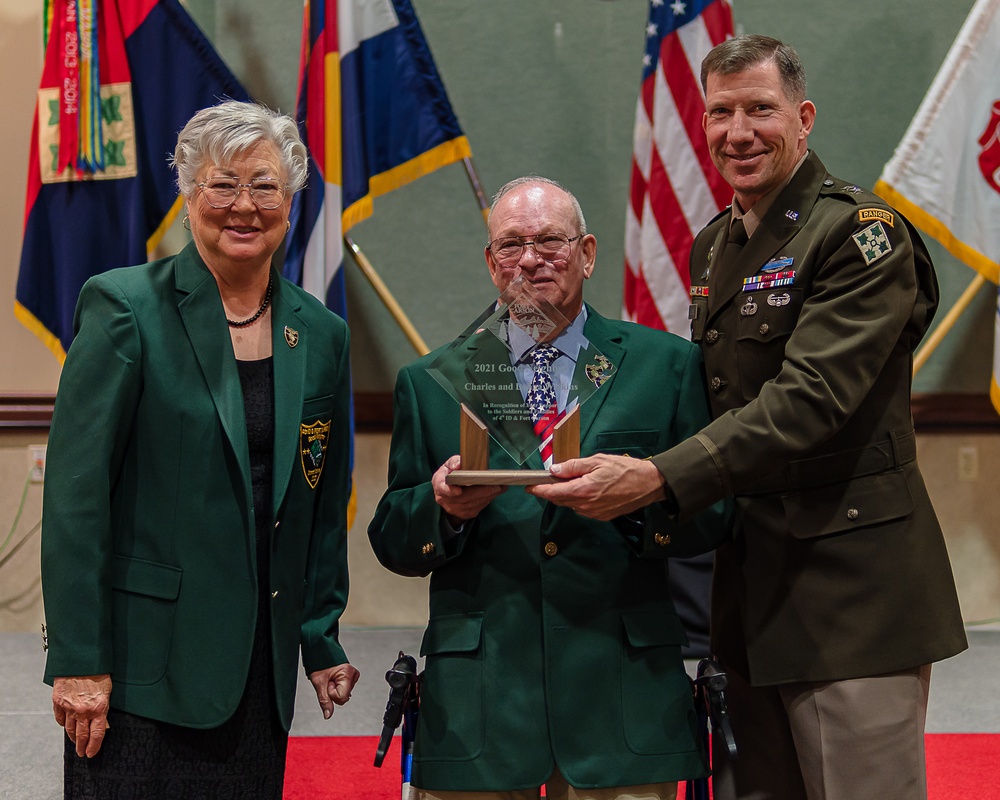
{"x": 969, "y": 511}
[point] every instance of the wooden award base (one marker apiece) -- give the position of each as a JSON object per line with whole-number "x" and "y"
{"x": 474, "y": 443}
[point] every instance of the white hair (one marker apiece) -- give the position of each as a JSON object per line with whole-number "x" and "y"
{"x": 216, "y": 135}
{"x": 536, "y": 179}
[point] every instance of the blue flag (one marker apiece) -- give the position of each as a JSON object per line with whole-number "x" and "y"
{"x": 375, "y": 116}
{"x": 78, "y": 224}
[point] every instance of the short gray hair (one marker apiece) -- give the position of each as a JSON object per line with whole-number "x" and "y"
{"x": 745, "y": 52}
{"x": 508, "y": 187}
{"x": 219, "y": 133}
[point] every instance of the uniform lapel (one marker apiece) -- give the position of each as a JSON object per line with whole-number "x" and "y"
{"x": 784, "y": 219}
{"x": 204, "y": 318}
{"x": 287, "y": 327}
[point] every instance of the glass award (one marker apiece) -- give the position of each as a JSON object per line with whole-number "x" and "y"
{"x": 479, "y": 371}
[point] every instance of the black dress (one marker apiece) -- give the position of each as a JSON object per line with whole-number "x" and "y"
{"x": 242, "y": 759}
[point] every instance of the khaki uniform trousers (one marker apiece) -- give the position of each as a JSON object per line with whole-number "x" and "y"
{"x": 860, "y": 739}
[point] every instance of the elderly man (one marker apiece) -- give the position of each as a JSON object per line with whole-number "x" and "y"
{"x": 553, "y": 648}
{"x": 808, "y": 298}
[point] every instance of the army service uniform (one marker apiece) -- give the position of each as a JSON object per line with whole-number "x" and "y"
{"x": 838, "y": 568}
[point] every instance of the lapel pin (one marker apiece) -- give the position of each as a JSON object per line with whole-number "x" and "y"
{"x": 291, "y": 336}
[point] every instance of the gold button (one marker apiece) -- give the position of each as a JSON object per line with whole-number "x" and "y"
{"x": 712, "y": 336}
{"x": 662, "y": 539}
{"x": 716, "y": 383}
{"x": 274, "y": 594}
{"x": 764, "y": 328}
{"x": 853, "y": 513}
{"x": 551, "y": 548}
{"x": 428, "y": 549}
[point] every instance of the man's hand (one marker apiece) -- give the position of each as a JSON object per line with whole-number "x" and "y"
{"x": 334, "y": 685}
{"x": 461, "y": 503}
{"x": 81, "y": 707}
{"x": 603, "y": 486}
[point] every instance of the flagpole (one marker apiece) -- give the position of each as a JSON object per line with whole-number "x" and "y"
{"x": 386, "y": 297}
{"x": 948, "y": 322}
{"x": 382, "y": 290}
{"x": 477, "y": 187}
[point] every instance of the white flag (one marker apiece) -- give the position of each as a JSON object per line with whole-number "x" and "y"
{"x": 945, "y": 174}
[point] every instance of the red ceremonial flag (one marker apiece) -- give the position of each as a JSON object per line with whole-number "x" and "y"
{"x": 121, "y": 77}
{"x": 675, "y": 187}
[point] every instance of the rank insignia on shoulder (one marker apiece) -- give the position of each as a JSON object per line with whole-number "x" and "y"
{"x": 872, "y": 242}
{"x": 699, "y": 291}
{"x": 872, "y": 214}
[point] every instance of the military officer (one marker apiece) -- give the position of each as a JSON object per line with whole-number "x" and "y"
{"x": 809, "y": 296}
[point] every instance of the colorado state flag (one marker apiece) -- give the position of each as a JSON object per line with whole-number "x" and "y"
{"x": 375, "y": 116}
{"x": 107, "y": 202}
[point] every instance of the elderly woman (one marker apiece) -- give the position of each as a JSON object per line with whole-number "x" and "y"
{"x": 196, "y": 492}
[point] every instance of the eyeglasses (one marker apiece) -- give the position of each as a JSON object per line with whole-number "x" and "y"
{"x": 507, "y": 250}
{"x": 267, "y": 193}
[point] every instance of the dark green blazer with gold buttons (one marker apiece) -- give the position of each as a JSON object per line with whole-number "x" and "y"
{"x": 148, "y": 545}
{"x": 552, "y": 638}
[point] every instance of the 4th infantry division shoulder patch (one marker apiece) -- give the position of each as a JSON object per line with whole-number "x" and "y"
{"x": 872, "y": 242}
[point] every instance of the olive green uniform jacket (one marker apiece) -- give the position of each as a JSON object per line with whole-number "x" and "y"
{"x": 552, "y": 638}
{"x": 839, "y": 569}
{"x": 148, "y": 546}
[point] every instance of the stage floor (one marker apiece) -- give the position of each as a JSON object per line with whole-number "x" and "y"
{"x": 965, "y": 698}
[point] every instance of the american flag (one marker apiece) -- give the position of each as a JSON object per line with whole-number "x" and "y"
{"x": 675, "y": 188}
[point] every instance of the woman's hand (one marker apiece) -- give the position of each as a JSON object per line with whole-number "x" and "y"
{"x": 334, "y": 685}
{"x": 81, "y": 707}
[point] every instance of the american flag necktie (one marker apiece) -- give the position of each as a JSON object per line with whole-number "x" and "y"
{"x": 541, "y": 399}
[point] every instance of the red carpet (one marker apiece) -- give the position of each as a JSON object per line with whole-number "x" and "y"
{"x": 960, "y": 766}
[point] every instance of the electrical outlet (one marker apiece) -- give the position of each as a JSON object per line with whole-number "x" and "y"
{"x": 968, "y": 463}
{"x": 36, "y": 460}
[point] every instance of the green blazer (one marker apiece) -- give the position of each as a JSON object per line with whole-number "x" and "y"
{"x": 840, "y": 568}
{"x": 552, "y": 638}
{"x": 148, "y": 544}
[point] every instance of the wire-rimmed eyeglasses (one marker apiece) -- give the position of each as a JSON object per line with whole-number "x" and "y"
{"x": 507, "y": 250}
{"x": 267, "y": 193}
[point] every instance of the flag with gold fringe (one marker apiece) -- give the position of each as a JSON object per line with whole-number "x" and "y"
{"x": 945, "y": 173}
{"x": 120, "y": 79}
